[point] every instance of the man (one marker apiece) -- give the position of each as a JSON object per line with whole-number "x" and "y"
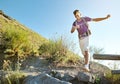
{"x": 81, "y": 25}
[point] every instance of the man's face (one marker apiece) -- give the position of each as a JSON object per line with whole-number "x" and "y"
{"x": 77, "y": 15}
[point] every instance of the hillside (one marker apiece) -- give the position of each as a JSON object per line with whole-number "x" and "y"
{"x": 8, "y": 22}
{"x": 16, "y": 40}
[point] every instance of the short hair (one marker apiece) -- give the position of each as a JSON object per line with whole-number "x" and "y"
{"x": 75, "y": 11}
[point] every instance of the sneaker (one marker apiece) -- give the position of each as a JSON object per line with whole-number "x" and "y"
{"x": 86, "y": 68}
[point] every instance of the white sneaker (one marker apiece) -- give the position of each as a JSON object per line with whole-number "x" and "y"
{"x": 86, "y": 68}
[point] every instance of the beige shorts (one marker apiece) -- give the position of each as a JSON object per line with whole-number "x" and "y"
{"x": 84, "y": 44}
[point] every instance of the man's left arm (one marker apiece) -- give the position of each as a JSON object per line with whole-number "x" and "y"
{"x": 100, "y": 19}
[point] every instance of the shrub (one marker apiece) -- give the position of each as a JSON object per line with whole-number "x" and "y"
{"x": 14, "y": 38}
{"x": 13, "y": 78}
{"x": 57, "y": 51}
{"x": 14, "y": 42}
{"x": 115, "y": 78}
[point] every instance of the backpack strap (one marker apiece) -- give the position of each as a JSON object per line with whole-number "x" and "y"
{"x": 85, "y": 22}
{"x": 88, "y": 31}
{"x": 75, "y": 22}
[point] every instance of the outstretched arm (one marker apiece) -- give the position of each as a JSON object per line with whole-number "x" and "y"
{"x": 100, "y": 19}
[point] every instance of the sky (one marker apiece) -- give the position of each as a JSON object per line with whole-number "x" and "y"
{"x": 52, "y": 18}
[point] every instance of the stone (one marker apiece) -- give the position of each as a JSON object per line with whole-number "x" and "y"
{"x": 86, "y": 77}
{"x": 68, "y": 77}
{"x": 103, "y": 80}
{"x": 43, "y": 79}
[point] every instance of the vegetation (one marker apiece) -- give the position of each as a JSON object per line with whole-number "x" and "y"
{"x": 17, "y": 41}
{"x": 16, "y": 38}
{"x": 57, "y": 51}
{"x": 114, "y": 78}
{"x": 13, "y": 78}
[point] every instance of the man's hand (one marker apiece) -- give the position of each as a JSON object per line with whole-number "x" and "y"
{"x": 108, "y": 16}
{"x": 74, "y": 28}
{"x": 77, "y": 26}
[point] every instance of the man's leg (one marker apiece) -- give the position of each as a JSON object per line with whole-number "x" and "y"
{"x": 84, "y": 45}
{"x": 86, "y": 57}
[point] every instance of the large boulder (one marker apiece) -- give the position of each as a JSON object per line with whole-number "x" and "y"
{"x": 86, "y": 77}
{"x": 62, "y": 75}
{"x": 43, "y": 79}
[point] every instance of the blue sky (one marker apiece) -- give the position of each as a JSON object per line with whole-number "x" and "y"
{"x": 48, "y": 17}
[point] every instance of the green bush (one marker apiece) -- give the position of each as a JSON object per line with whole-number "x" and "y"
{"x": 57, "y": 51}
{"x": 13, "y": 78}
{"x": 115, "y": 78}
{"x": 14, "y": 42}
{"x": 54, "y": 48}
{"x": 17, "y": 41}
{"x": 14, "y": 38}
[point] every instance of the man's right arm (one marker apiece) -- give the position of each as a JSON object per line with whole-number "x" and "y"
{"x": 73, "y": 29}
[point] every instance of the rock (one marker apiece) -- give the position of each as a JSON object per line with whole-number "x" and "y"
{"x": 62, "y": 75}
{"x": 59, "y": 75}
{"x": 86, "y": 77}
{"x": 103, "y": 80}
{"x": 68, "y": 77}
{"x": 43, "y": 79}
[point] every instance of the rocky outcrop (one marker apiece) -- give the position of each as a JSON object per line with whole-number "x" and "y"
{"x": 74, "y": 75}
{"x": 55, "y": 77}
{"x": 43, "y": 79}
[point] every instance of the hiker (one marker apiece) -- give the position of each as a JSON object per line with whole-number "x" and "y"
{"x": 81, "y": 25}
